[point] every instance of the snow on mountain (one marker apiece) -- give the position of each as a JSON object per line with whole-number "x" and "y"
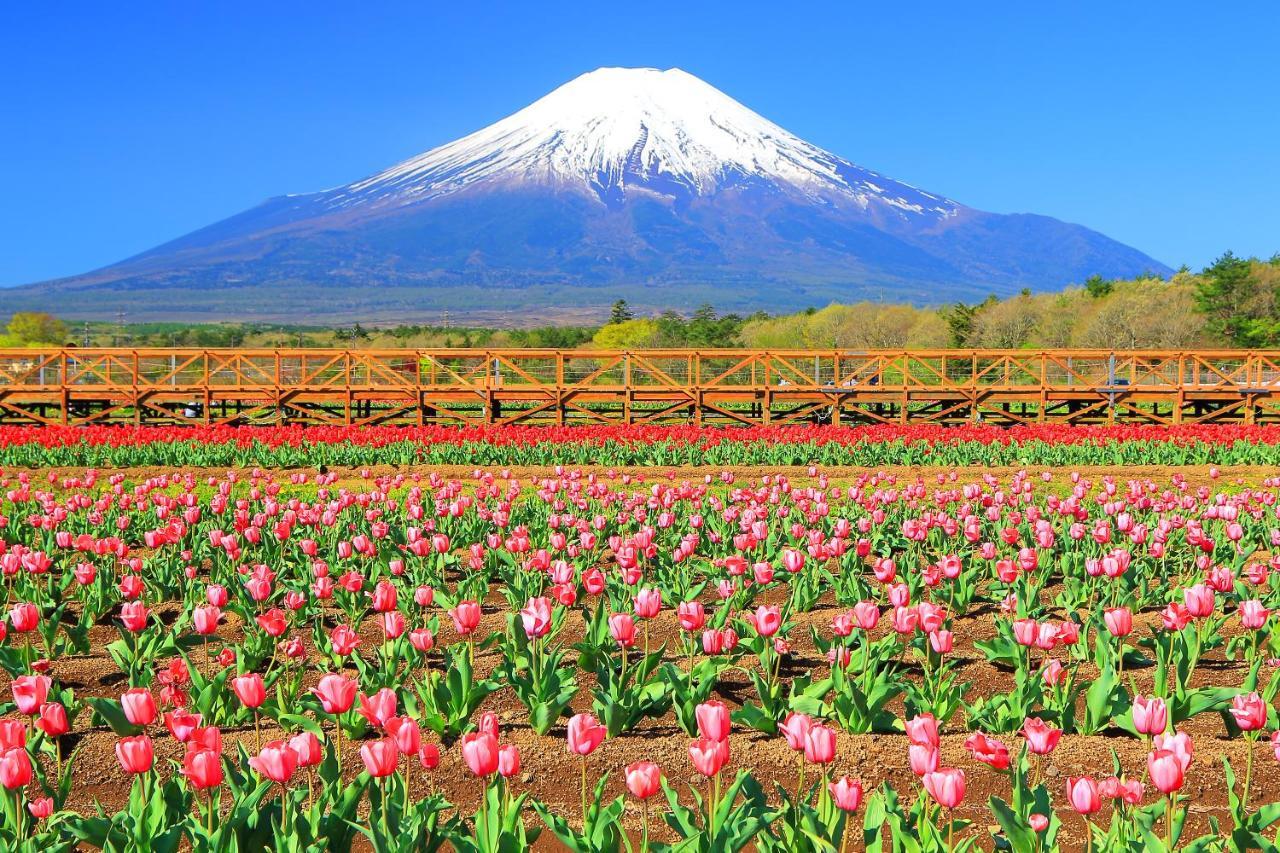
{"x": 617, "y": 131}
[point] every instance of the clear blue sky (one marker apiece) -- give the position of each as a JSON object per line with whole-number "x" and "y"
{"x": 123, "y": 126}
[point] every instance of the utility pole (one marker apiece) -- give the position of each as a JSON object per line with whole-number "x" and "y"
{"x": 120, "y": 333}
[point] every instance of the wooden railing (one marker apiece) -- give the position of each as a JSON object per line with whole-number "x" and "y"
{"x": 74, "y": 386}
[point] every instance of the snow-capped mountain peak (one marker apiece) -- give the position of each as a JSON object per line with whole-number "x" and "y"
{"x": 619, "y": 131}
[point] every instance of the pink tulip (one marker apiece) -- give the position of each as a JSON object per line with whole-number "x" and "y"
{"x": 923, "y": 730}
{"x": 249, "y": 689}
{"x": 139, "y": 706}
{"x": 946, "y": 786}
{"x": 1150, "y": 716}
{"x": 380, "y": 757}
{"x": 536, "y": 617}
{"x": 644, "y": 779}
{"x": 1041, "y": 738}
{"x": 713, "y": 720}
{"x": 584, "y": 734}
{"x": 709, "y": 756}
{"x": 820, "y": 745}
{"x": 276, "y": 761}
{"x": 846, "y": 794}
{"x": 1166, "y": 770}
{"x": 1082, "y": 793}
{"x": 1250, "y": 712}
{"x": 336, "y": 693}
{"x": 480, "y": 753}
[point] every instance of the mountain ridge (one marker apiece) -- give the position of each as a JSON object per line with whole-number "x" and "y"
{"x": 620, "y": 180}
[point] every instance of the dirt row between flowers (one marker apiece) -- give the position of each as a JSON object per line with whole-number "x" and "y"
{"x": 552, "y": 775}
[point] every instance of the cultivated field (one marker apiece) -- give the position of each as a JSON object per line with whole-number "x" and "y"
{"x": 767, "y": 639}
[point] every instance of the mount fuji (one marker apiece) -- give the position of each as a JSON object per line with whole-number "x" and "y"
{"x": 631, "y": 183}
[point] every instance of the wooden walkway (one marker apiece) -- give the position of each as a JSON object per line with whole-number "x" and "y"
{"x": 177, "y": 386}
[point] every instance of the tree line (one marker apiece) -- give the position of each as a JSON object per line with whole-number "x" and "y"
{"x": 1233, "y": 302}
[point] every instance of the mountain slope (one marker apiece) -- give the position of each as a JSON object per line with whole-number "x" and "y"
{"x": 637, "y": 183}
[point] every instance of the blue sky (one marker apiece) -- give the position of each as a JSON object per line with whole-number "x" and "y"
{"x": 127, "y": 124}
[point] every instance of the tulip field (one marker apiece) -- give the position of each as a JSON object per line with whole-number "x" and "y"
{"x": 642, "y": 638}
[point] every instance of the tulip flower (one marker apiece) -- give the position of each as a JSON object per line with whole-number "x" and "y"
{"x": 1041, "y": 737}
{"x": 1082, "y": 794}
{"x": 508, "y": 760}
{"x": 713, "y": 720}
{"x": 202, "y": 769}
{"x": 480, "y": 753}
{"x": 988, "y": 750}
{"x": 378, "y": 708}
{"x": 139, "y": 706}
{"x": 276, "y": 761}
{"x": 336, "y": 693}
{"x": 1150, "y": 715}
{"x": 946, "y": 787}
{"x": 380, "y": 757}
{"x": 820, "y": 745}
{"x": 709, "y": 756}
{"x": 30, "y": 692}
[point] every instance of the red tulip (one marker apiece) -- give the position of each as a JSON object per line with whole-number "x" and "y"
{"x": 429, "y": 756}
{"x": 53, "y": 719}
{"x": 15, "y": 768}
{"x": 203, "y": 769}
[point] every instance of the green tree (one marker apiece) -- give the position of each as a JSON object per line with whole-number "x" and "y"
{"x": 620, "y": 313}
{"x": 1097, "y": 286}
{"x": 1228, "y": 297}
{"x": 959, "y": 319}
{"x": 36, "y": 327}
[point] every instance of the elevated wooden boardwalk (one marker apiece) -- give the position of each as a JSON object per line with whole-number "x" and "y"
{"x": 177, "y": 386}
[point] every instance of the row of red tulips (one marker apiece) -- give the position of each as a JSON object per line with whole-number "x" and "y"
{"x": 1047, "y": 444}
